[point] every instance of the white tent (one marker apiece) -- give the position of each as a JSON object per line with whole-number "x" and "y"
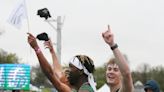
{"x": 104, "y": 88}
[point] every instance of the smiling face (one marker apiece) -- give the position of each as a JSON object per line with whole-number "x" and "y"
{"x": 113, "y": 75}
{"x": 79, "y": 68}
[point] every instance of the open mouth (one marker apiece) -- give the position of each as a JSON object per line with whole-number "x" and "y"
{"x": 110, "y": 76}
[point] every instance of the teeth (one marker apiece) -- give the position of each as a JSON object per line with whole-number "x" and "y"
{"x": 111, "y": 77}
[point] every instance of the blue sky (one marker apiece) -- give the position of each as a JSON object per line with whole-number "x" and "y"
{"x": 136, "y": 24}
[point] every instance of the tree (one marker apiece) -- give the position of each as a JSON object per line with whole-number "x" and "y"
{"x": 157, "y": 74}
{"x": 38, "y": 78}
{"x": 8, "y": 57}
{"x": 100, "y": 76}
{"x": 146, "y": 73}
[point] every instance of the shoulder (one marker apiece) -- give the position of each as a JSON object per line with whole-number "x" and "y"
{"x": 86, "y": 88}
{"x": 64, "y": 79}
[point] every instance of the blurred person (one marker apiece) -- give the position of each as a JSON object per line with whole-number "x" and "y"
{"x": 118, "y": 75}
{"x": 79, "y": 77}
{"x": 151, "y": 86}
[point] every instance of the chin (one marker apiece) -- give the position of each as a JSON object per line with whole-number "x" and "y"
{"x": 111, "y": 82}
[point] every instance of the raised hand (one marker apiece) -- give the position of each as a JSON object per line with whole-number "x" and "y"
{"x": 48, "y": 44}
{"x": 108, "y": 36}
{"x": 32, "y": 41}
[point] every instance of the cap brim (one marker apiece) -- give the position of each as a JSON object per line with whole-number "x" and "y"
{"x": 147, "y": 87}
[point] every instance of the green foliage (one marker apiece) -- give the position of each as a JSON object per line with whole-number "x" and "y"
{"x": 100, "y": 76}
{"x": 155, "y": 73}
{"x": 46, "y": 90}
{"x": 8, "y": 57}
{"x": 143, "y": 74}
{"x": 38, "y": 78}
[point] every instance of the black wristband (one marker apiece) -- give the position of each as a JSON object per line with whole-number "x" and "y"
{"x": 114, "y": 47}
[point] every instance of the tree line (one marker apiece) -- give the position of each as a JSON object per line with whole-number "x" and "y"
{"x": 38, "y": 78}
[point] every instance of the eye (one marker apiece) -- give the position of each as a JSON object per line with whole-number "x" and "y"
{"x": 109, "y": 68}
{"x": 116, "y": 69}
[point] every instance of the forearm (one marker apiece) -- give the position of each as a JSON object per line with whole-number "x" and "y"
{"x": 121, "y": 62}
{"x": 52, "y": 76}
{"x": 44, "y": 63}
{"x": 127, "y": 82}
{"x": 56, "y": 65}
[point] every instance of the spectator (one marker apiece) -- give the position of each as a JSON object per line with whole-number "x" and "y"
{"x": 151, "y": 86}
{"x": 118, "y": 75}
{"x": 80, "y": 74}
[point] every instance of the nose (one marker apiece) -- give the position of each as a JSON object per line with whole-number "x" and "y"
{"x": 111, "y": 71}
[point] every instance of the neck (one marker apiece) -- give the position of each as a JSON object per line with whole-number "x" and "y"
{"x": 80, "y": 82}
{"x": 114, "y": 88}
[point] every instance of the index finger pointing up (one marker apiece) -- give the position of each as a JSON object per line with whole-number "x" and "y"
{"x": 108, "y": 27}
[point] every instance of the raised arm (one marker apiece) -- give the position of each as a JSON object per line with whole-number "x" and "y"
{"x": 56, "y": 65}
{"x": 127, "y": 82}
{"x": 48, "y": 71}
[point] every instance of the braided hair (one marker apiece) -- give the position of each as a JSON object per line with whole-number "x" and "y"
{"x": 87, "y": 62}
